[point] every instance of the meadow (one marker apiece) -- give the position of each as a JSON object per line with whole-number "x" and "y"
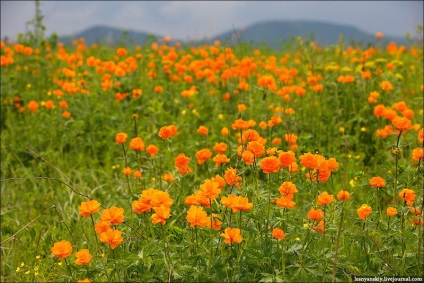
{"x": 213, "y": 163}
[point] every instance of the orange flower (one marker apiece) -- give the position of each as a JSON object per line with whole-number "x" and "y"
{"x": 114, "y": 215}
{"x": 418, "y": 153}
{"x": 63, "y": 104}
{"x": 232, "y": 235}
{"x": 158, "y": 89}
{"x": 112, "y": 237}
{"x": 385, "y": 132}
{"x": 210, "y": 189}
{"x": 343, "y": 195}
{"x": 197, "y": 217}
{"x": 102, "y": 226}
{"x": 379, "y": 35}
{"x": 377, "y": 182}
{"x": 309, "y": 160}
{"x": 161, "y": 214}
{"x": 83, "y": 257}
{"x": 379, "y": 110}
{"x": 415, "y": 211}
{"x": 276, "y": 141}
{"x": 257, "y": 148}
{"x": 287, "y": 158}
{"x": 203, "y": 155}
{"x": 271, "y": 151}
{"x": 225, "y": 131}
{"x": 408, "y": 195}
{"x": 231, "y": 177}
{"x": 248, "y": 157}
{"x": 220, "y": 180}
{"x": 137, "y": 144}
{"x": 49, "y": 104}
{"x": 270, "y": 164}
{"x": 141, "y": 206}
{"x": 390, "y": 114}
{"x": 181, "y": 162}
{"x": 386, "y": 86}
{"x": 285, "y": 202}
{"x": 202, "y": 130}
{"x": 391, "y": 211}
{"x": 89, "y": 207}
{"x": 229, "y": 200}
{"x": 152, "y": 150}
{"x": 240, "y": 124}
{"x": 237, "y": 203}
{"x": 86, "y": 280}
{"x": 250, "y": 135}
{"x": 288, "y": 189}
{"x": 127, "y": 171}
{"x": 278, "y": 233}
{"x": 137, "y": 174}
{"x": 167, "y": 131}
{"x": 216, "y": 224}
{"x": 402, "y": 123}
{"x": 243, "y": 205}
{"x": 241, "y": 107}
{"x": 364, "y": 211}
{"x": 320, "y": 228}
{"x": 197, "y": 198}
{"x": 315, "y": 214}
{"x": 168, "y": 177}
{"x": 66, "y": 114}
{"x": 325, "y": 198}
{"x": 220, "y": 159}
{"x": 121, "y": 137}
{"x": 62, "y": 249}
{"x": 290, "y": 138}
{"x": 220, "y": 147}
{"x": 121, "y": 51}
{"x": 33, "y": 105}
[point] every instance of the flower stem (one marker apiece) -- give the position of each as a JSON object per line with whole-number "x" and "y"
{"x": 337, "y": 243}
{"x": 396, "y": 167}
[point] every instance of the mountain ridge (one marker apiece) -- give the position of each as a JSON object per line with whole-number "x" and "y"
{"x": 272, "y": 33}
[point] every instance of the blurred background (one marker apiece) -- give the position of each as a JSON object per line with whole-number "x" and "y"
{"x": 196, "y": 20}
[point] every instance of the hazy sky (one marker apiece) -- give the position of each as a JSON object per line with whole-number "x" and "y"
{"x": 198, "y": 19}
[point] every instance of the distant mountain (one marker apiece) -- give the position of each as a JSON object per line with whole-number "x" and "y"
{"x": 271, "y": 34}
{"x": 109, "y": 35}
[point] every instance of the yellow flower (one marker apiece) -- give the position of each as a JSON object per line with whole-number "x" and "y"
{"x": 298, "y": 239}
{"x": 18, "y": 269}
{"x": 38, "y": 257}
{"x": 22, "y": 264}
{"x": 352, "y": 183}
{"x": 342, "y": 129}
{"x": 183, "y": 112}
{"x": 363, "y": 129}
{"x": 59, "y": 263}
{"x": 220, "y": 116}
{"x": 28, "y": 272}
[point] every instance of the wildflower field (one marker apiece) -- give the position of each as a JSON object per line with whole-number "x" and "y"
{"x": 214, "y": 163}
